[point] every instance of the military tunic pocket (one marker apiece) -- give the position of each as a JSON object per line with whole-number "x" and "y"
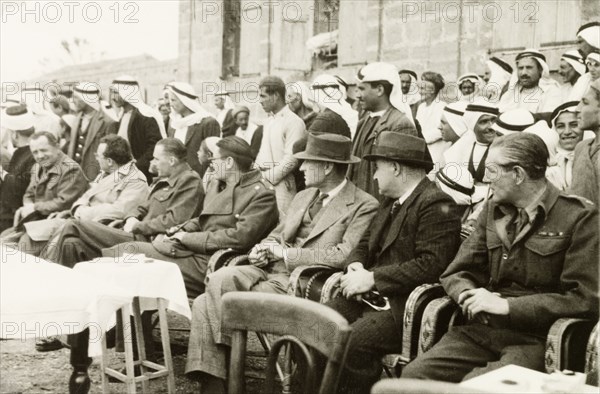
{"x": 545, "y": 258}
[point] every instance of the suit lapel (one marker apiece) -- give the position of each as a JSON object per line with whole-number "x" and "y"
{"x": 379, "y": 224}
{"x": 95, "y": 124}
{"x": 74, "y": 132}
{"x": 189, "y": 133}
{"x": 380, "y": 125}
{"x": 294, "y": 219}
{"x": 396, "y": 225}
{"x": 336, "y": 209}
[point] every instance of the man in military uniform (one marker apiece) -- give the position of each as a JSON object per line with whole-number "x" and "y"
{"x": 174, "y": 198}
{"x": 532, "y": 259}
{"x": 239, "y": 210}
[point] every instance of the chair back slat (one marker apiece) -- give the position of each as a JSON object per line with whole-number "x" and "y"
{"x": 309, "y": 380}
{"x": 318, "y": 327}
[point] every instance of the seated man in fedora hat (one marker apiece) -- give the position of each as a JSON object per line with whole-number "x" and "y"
{"x": 414, "y": 236}
{"x": 324, "y": 223}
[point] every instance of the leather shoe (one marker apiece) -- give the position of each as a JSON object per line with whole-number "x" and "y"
{"x": 49, "y": 344}
{"x": 79, "y": 383}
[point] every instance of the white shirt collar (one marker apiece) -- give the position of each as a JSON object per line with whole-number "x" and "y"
{"x": 334, "y": 192}
{"x": 407, "y": 194}
{"x": 378, "y": 113}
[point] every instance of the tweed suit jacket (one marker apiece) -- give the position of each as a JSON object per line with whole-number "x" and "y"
{"x": 236, "y": 217}
{"x": 418, "y": 244}
{"x": 99, "y": 126}
{"x": 339, "y": 228}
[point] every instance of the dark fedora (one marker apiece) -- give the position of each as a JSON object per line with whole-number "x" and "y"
{"x": 402, "y": 148}
{"x": 329, "y": 147}
{"x": 328, "y": 121}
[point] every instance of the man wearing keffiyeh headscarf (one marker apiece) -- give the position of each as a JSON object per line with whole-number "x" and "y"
{"x": 588, "y": 42}
{"x": 141, "y": 125}
{"x": 499, "y": 75}
{"x": 192, "y": 124}
{"x": 572, "y": 67}
{"x": 531, "y": 87}
{"x": 380, "y": 95}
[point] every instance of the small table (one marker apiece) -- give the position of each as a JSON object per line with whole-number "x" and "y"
{"x": 515, "y": 379}
{"x": 152, "y": 284}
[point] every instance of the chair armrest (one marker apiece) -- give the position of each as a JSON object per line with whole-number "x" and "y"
{"x": 223, "y": 258}
{"x": 566, "y": 344}
{"x": 591, "y": 357}
{"x": 318, "y": 283}
{"x": 416, "y": 303}
{"x": 438, "y": 316}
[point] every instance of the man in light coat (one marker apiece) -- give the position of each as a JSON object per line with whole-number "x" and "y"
{"x": 117, "y": 190}
{"x": 324, "y": 223}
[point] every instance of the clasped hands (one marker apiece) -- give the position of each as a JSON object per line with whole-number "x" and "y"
{"x": 266, "y": 251}
{"x": 479, "y": 304}
{"x": 356, "y": 281}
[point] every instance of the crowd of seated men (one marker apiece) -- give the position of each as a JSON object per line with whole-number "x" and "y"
{"x": 493, "y": 196}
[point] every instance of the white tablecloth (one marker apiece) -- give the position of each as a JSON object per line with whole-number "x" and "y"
{"x": 40, "y": 299}
{"x": 155, "y": 279}
{"x": 515, "y": 379}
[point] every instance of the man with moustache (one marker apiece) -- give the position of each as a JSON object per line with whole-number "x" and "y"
{"x": 572, "y": 67}
{"x": 531, "y": 87}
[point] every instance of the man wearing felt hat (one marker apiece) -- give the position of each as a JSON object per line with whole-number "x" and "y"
{"x": 91, "y": 125}
{"x": 531, "y": 86}
{"x": 19, "y": 123}
{"x": 414, "y": 236}
{"x": 324, "y": 224}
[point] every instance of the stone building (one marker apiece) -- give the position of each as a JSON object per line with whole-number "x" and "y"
{"x": 230, "y": 44}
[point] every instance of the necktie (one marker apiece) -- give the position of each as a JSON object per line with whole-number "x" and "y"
{"x": 316, "y": 206}
{"x": 395, "y": 208}
{"x": 516, "y": 224}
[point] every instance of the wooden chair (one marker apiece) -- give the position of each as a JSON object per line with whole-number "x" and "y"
{"x": 312, "y": 328}
{"x": 416, "y": 386}
{"x": 565, "y": 344}
{"x": 321, "y": 284}
{"x": 591, "y": 357}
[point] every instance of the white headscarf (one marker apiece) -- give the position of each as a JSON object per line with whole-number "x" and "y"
{"x": 576, "y": 61}
{"x": 476, "y": 110}
{"x": 188, "y": 97}
{"x": 89, "y": 93}
{"x": 380, "y": 71}
{"x": 545, "y": 81}
{"x": 549, "y": 137}
{"x": 478, "y": 82}
{"x": 453, "y": 113}
{"x": 129, "y": 90}
{"x": 500, "y": 73}
{"x": 457, "y": 183}
{"x": 413, "y": 96}
{"x": 593, "y": 56}
{"x": 513, "y": 121}
{"x": 301, "y": 88}
{"x": 590, "y": 32}
{"x": 327, "y": 91}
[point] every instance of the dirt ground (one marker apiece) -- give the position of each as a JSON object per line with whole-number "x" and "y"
{"x": 24, "y": 370}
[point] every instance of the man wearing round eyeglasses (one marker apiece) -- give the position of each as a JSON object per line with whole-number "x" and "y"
{"x": 532, "y": 259}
